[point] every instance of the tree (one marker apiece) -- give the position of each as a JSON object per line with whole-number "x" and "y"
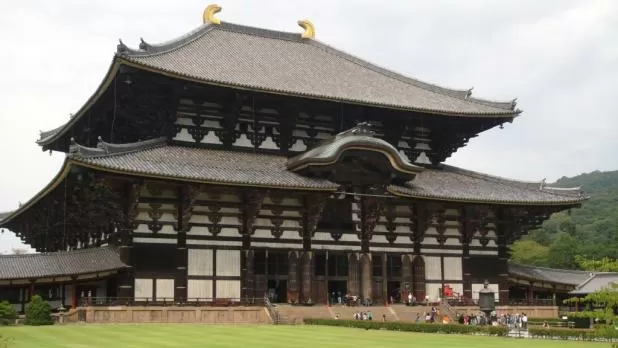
{"x": 562, "y": 252}
{"x": 603, "y": 265}
{"x": 529, "y": 252}
{"x": 38, "y": 312}
{"x": 7, "y": 313}
{"x": 604, "y": 300}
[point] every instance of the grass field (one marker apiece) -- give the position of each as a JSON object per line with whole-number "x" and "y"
{"x": 185, "y": 335}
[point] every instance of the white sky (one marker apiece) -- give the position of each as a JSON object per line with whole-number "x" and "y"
{"x": 560, "y": 58}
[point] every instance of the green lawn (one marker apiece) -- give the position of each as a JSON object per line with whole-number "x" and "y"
{"x": 185, "y": 335}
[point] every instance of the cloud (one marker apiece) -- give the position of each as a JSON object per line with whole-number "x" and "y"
{"x": 558, "y": 57}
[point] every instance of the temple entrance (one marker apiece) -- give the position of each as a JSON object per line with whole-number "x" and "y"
{"x": 277, "y": 291}
{"x": 393, "y": 289}
{"x": 337, "y": 290}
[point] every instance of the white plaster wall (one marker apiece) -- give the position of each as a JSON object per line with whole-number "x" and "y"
{"x": 228, "y": 263}
{"x": 433, "y": 268}
{"x": 453, "y": 268}
{"x": 200, "y": 262}
{"x": 228, "y": 289}
{"x": 143, "y": 289}
{"x": 165, "y": 289}
{"x": 199, "y": 288}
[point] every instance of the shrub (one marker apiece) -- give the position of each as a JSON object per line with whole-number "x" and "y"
{"x": 411, "y": 327}
{"x": 7, "y": 313}
{"x": 38, "y": 312}
{"x": 606, "y": 332}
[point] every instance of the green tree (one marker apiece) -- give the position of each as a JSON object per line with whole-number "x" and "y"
{"x": 562, "y": 252}
{"x": 603, "y": 265}
{"x": 38, "y": 312}
{"x": 604, "y": 300}
{"x": 529, "y": 252}
{"x": 7, "y": 313}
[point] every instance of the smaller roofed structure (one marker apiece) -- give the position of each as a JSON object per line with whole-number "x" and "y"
{"x": 59, "y": 264}
{"x": 595, "y": 282}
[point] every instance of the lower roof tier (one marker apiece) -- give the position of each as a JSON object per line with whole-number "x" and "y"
{"x": 156, "y": 159}
{"x": 60, "y": 264}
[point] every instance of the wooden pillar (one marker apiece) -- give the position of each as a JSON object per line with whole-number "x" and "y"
{"x": 531, "y": 294}
{"x": 247, "y": 275}
{"x": 126, "y": 280}
{"x": 63, "y": 295}
{"x": 307, "y": 276}
{"x": 73, "y": 292}
{"x": 292, "y": 285}
{"x": 187, "y": 194}
{"x": 366, "y": 276}
{"x": 353, "y": 274}
{"x": 31, "y": 290}
{"x": 24, "y": 296}
{"x": 406, "y": 276}
{"x": 385, "y": 294}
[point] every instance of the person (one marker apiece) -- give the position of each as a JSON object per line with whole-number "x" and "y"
{"x": 369, "y": 316}
{"x": 383, "y": 317}
{"x": 545, "y": 324}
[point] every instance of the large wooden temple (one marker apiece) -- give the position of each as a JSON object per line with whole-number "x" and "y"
{"x": 235, "y": 162}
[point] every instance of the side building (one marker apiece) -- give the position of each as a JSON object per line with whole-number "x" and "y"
{"x": 234, "y": 162}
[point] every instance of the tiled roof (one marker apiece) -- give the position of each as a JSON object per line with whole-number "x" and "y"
{"x": 452, "y": 183}
{"x": 282, "y": 62}
{"x": 359, "y": 137}
{"x": 278, "y": 62}
{"x": 5, "y": 214}
{"x": 64, "y": 263}
{"x": 596, "y": 282}
{"x": 550, "y": 275}
{"x": 203, "y": 165}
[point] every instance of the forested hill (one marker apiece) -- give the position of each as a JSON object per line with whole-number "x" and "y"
{"x": 590, "y": 232}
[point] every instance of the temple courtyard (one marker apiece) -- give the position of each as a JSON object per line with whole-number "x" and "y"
{"x": 184, "y": 335}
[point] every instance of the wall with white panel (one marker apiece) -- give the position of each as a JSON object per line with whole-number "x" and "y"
{"x": 433, "y": 268}
{"x": 200, "y": 262}
{"x": 143, "y": 289}
{"x": 228, "y": 289}
{"x": 199, "y": 288}
{"x": 164, "y": 289}
{"x": 453, "y": 268}
{"x": 228, "y": 263}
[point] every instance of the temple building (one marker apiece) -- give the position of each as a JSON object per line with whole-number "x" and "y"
{"x": 234, "y": 162}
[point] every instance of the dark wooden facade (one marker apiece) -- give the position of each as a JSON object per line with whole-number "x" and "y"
{"x": 193, "y": 236}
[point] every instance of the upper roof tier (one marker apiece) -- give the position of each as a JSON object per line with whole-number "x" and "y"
{"x": 288, "y": 64}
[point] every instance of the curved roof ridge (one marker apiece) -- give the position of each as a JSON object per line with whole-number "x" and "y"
{"x": 528, "y": 185}
{"x": 110, "y": 149}
{"x": 494, "y": 178}
{"x": 146, "y": 48}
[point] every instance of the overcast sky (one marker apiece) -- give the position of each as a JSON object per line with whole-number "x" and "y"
{"x": 559, "y": 58}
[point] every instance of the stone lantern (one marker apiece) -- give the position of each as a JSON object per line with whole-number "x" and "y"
{"x": 487, "y": 300}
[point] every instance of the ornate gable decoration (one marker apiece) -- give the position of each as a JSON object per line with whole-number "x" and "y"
{"x": 357, "y": 158}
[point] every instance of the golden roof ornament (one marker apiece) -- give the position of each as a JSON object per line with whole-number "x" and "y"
{"x": 209, "y": 14}
{"x": 309, "y": 32}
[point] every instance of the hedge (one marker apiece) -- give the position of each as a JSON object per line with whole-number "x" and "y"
{"x": 412, "y": 327}
{"x": 607, "y": 333}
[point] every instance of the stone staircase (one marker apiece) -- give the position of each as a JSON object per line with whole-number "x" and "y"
{"x": 408, "y": 313}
